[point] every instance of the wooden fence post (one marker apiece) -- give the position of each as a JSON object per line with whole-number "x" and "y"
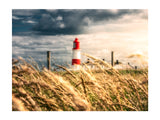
{"x": 112, "y": 58}
{"x": 117, "y": 62}
{"x": 135, "y": 67}
{"x": 48, "y": 60}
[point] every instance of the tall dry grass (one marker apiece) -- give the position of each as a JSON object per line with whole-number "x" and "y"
{"x": 83, "y": 90}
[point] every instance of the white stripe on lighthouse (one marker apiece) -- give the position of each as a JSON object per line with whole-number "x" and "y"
{"x": 76, "y": 54}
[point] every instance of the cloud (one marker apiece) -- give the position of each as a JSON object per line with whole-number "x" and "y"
{"x": 24, "y": 12}
{"x": 29, "y": 21}
{"x": 73, "y": 21}
{"x": 16, "y": 18}
{"x": 59, "y": 18}
{"x": 78, "y": 21}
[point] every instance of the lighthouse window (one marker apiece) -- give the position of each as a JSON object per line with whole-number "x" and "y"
{"x": 74, "y": 45}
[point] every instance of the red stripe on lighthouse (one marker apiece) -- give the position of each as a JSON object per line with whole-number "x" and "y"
{"x": 76, "y": 61}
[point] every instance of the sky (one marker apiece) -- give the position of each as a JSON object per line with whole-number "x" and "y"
{"x": 100, "y": 31}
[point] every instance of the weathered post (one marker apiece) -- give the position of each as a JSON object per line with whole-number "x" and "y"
{"x": 135, "y": 67}
{"x": 117, "y": 62}
{"x": 48, "y": 60}
{"x": 112, "y": 58}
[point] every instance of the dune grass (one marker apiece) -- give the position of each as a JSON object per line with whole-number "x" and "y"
{"x": 83, "y": 90}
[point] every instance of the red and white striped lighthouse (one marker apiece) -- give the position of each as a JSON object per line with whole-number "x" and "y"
{"x": 76, "y": 54}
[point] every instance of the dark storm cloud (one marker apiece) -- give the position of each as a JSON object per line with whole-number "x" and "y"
{"x": 63, "y": 21}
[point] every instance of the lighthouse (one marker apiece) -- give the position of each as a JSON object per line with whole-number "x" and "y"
{"x": 76, "y": 55}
